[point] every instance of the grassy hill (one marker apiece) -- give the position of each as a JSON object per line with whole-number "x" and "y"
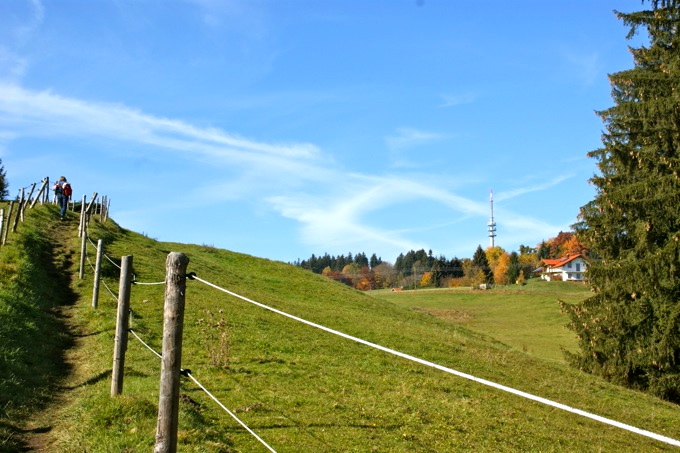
{"x": 527, "y": 318}
{"x": 297, "y": 387}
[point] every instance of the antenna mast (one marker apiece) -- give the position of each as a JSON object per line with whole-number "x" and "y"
{"x": 492, "y": 223}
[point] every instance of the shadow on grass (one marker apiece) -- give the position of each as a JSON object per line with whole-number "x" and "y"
{"x": 35, "y": 332}
{"x": 93, "y": 380}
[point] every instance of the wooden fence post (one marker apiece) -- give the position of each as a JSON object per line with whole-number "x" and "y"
{"x": 81, "y": 225}
{"x": 2, "y": 222}
{"x": 122, "y": 318}
{"x": 83, "y": 254}
{"x": 30, "y": 194}
{"x": 9, "y": 217}
{"x": 85, "y": 214}
{"x": 97, "y": 274}
{"x": 47, "y": 189}
{"x": 173, "y": 326}
{"x": 22, "y": 202}
{"x": 18, "y": 215}
{"x": 41, "y": 192}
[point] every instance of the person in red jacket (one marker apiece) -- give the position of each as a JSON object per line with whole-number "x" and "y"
{"x": 63, "y": 191}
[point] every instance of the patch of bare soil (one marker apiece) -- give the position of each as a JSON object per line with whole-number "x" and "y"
{"x": 455, "y": 316}
{"x": 39, "y": 433}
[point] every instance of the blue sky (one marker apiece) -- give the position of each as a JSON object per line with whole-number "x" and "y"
{"x": 285, "y": 128}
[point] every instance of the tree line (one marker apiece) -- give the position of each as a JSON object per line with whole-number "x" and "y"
{"x": 420, "y": 269}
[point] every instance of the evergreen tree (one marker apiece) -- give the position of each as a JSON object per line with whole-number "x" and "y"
{"x": 514, "y": 268}
{"x": 375, "y": 261}
{"x": 481, "y": 263}
{"x": 629, "y": 330}
{"x": 4, "y": 184}
{"x": 361, "y": 259}
{"x": 456, "y": 268}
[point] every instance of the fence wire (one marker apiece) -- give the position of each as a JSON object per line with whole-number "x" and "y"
{"x": 470, "y": 377}
{"x": 187, "y": 373}
{"x": 467, "y": 376}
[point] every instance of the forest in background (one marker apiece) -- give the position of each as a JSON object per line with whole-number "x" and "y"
{"x": 421, "y": 269}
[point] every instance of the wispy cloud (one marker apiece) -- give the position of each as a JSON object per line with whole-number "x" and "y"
{"x": 587, "y": 66}
{"x": 344, "y": 219}
{"x": 452, "y": 100}
{"x": 243, "y": 16}
{"x": 507, "y": 194}
{"x": 44, "y": 113}
{"x": 409, "y": 138}
{"x": 405, "y": 139}
{"x": 287, "y": 178}
{"x": 13, "y": 66}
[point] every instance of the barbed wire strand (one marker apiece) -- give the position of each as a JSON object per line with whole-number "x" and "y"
{"x": 187, "y": 373}
{"x": 470, "y": 377}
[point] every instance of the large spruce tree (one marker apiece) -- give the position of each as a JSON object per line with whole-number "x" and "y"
{"x": 4, "y": 184}
{"x": 629, "y": 330}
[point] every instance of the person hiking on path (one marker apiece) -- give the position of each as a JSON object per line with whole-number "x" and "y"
{"x": 63, "y": 191}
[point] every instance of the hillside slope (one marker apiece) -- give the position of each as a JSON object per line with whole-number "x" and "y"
{"x": 299, "y": 388}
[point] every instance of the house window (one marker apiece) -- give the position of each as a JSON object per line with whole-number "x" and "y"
{"x": 578, "y": 267}
{"x": 568, "y": 265}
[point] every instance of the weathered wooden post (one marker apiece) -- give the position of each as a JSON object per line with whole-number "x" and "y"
{"x": 30, "y": 194}
{"x": 40, "y": 195}
{"x": 16, "y": 217}
{"x": 47, "y": 189}
{"x": 86, "y": 213}
{"x": 20, "y": 211}
{"x": 122, "y": 318}
{"x": 97, "y": 274}
{"x": 173, "y": 327}
{"x": 2, "y": 222}
{"x": 81, "y": 225}
{"x": 9, "y": 218}
{"x": 83, "y": 255}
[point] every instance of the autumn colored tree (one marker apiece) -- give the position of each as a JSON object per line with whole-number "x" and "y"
{"x": 629, "y": 330}
{"x": 500, "y": 272}
{"x": 574, "y": 247}
{"x": 384, "y": 275}
{"x": 492, "y": 255}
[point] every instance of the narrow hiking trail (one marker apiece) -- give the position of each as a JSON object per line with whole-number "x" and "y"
{"x": 42, "y": 429}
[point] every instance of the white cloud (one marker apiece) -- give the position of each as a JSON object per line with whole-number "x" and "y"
{"x": 401, "y": 144}
{"x": 452, "y": 100}
{"x": 15, "y": 36}
{"x": 340, "y": 220}
{"x": 289, "y": 178}
{"x": 247, "y": 17}
{"x": 507, "y": 194}
{"x": 44, "y": 113}
{"x": 588, "y": 66}
{"x": 409, "y": 138}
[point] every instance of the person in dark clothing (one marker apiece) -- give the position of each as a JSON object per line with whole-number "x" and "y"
{"x": 62, "y": 190}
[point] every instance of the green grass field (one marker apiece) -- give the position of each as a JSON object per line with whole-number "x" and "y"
{"x": 527, "y": 318}
{"x": 299, "y": 388}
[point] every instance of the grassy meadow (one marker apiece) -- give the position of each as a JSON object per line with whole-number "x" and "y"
{"x": 299, "y": 388}
{"x": 527, "y": 317}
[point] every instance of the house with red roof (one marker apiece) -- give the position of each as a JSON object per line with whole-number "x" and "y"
{"x": 569, "y": 268}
